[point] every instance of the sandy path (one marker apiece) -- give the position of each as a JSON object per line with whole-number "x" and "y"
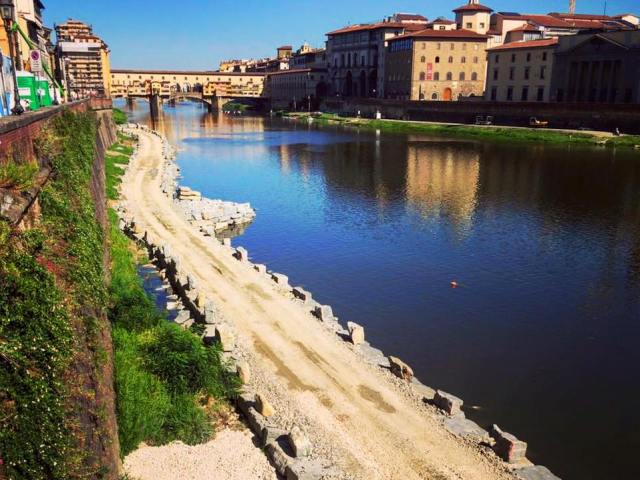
{"x": 378, "y": 433}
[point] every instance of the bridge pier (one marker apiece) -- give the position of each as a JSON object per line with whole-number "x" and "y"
{"x": 130, "y": 102}
{"x": 155, "y": 104}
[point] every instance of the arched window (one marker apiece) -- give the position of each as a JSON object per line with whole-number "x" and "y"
{"x": 474, "y": 76}
{"x": 422, "y": 76}
{"x": 449, "y": 76}
{"x": 436, "y": 76}
{"x": 423, "y": 59}
{"x": 434, "y": 96}
{"x": 461, "y": 76}
{"x": 475, "y": 59}
{"x": 450, "y": 59}
{"x": 463, "y": 60}
{"x": 437, "y": 59}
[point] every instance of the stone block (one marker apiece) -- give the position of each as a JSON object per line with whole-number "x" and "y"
{"x": 260, "y": 268}
{"x": 449, "y": 403}
{"x": 192, "y": 283}
{"x": 209, "y": 336}
{"x": 507, "y": 446}
{"x": 356, "y": 333}
{"x": 201, "y": 300}
{"x": 242, "y": 254}
{"x": 426, "y": 393}
{"x": 535, "y": 472}
{"x": 245, "y": 401}
{"x": 182, "y": 317}
{"x": 302, "y": 294}
{"x": 279, "y": 459}
{"x": 244, "y": 372}
{"x": 263, "y": 406}
{"x": 226, "y": 242}
{"x": 280, "y": 279}
{"x": 309, "y": 469}
{"x": 400, "y": 369}
{"x": 270, "y": 434}
{"x": 324, "y": 312}
{"x": 225, "y": 338}
{"x": 299, "y": 442}
{"x": 257, "y": 422}
{"x": 465, "y": 428}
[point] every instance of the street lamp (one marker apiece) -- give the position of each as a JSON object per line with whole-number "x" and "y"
{"x": 6, "y": 12}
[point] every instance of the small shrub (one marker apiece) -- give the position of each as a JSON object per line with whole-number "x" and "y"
{"x": 142, "y": 402}
{"x": 186, "y": 421}
{"x": 119, "y": 117}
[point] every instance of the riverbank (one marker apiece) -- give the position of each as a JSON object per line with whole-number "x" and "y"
{"x": 360, "y": 418}
{"x": 478, "y": 132}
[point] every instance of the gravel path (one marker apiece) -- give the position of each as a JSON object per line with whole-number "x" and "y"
{"x": 357, "y": 417}
{"x": 230, "y": 456}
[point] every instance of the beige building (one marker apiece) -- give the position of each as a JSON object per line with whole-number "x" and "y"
{"x": 231, "y": 84}
{"x": 84, "y": 60}
{"x": 436, "y": 65}
{"x": 298, "y": 89}
{"x": 521, "y": 71}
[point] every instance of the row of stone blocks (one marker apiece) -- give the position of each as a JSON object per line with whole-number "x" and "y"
{"x": 505, "y": 445}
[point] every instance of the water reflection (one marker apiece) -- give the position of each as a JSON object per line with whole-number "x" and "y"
{"x": 544, "y": 241}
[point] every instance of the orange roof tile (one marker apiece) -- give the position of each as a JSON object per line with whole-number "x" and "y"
{"x": 545, "y": 42}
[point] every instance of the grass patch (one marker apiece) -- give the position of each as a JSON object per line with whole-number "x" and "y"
{"x": 235, "y": 107}
{"x": 166, "y": 379}
{"x": 119, "y": 117}
{"x": 18, "y": 176}
{"x": 476, "y": 132}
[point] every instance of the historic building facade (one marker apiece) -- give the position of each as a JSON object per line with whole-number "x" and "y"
{"x": 297, "y": 88}
{"x": 597, "y": 68}
{"x": 520, "y": 71}
{"x": 356, "y": 54}
{"x": 436, "y": 65}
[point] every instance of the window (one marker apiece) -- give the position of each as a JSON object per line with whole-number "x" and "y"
{"x": 438, "y": 46}
{"x": 494, "y": 93}
{"x": 436, "y": 76}
{"x": 512, "y": 73}
{"x": 464, "y": 46}
{"x": 469, "y": 25}
{"x": 497, "y": 58}
{"x": 525, "y": 94}
{"x": 481, "y": 24}
{"x": 424, "y": 46}
{"x": 544, "y": 56}
{"x": 461, "y": 76}
{"x": 422, "y": 76}
{"x": 450, "y": 59}
{"x": 449, "y": 76}
{"x": 475, "y": 59}
{"x": 474, "y": 76}
{"x": 540, "y": 96}
{"x": 434, "y": 96}
{"x": 453, "y": 46}
{"x": 363, "y": 61}
{"x": 441, "y": 27}
{"x": 463, "y": 60}
{"x": 423, "y": 59}
{"x": 495, "y": 73}
{"x": 510, "y": 93}
{"x": 526, "y": 73}
{"x": 513, "y": 58}
{"x": 437, "y": 59}
{"x": 528, "y": 57}
{"x": 543, "y": 71}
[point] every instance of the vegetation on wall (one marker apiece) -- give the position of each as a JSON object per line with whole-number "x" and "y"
{"x": 17, "y": 176}
{"x": 51, "y": 288}
{"x": 119, "y": 117}
{"x": 168, "y": 383}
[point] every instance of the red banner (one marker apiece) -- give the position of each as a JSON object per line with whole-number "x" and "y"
{"x": 429, "y": 71}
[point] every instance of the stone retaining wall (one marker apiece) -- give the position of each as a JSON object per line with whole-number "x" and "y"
{"x": 289, "y": 450}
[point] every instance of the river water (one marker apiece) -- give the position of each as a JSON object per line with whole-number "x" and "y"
{"x": 541, "y": 335}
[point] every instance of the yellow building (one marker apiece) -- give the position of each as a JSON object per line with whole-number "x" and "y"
{"x": 520, "y": 71}
{"x": 436, "y": 65}
{"x": 298, "y": 89}
{"x": 84, "y": 60}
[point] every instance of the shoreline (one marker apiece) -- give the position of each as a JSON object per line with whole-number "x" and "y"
{"x": 478, "y": 132}
{"x": 445, "y": 408}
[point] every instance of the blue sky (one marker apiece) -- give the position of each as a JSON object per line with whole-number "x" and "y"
{"x": 197, "y": 34}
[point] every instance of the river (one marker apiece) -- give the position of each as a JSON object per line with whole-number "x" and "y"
{"x": 541, "y": 334}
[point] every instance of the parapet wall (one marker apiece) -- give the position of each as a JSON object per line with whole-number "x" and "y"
{"x": 603, "y": 117}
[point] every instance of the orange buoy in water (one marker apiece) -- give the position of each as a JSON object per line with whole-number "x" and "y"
{"x": 454, "y": 284}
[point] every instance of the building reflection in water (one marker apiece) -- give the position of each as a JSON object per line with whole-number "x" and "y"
{"x": 442, "y": 182}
